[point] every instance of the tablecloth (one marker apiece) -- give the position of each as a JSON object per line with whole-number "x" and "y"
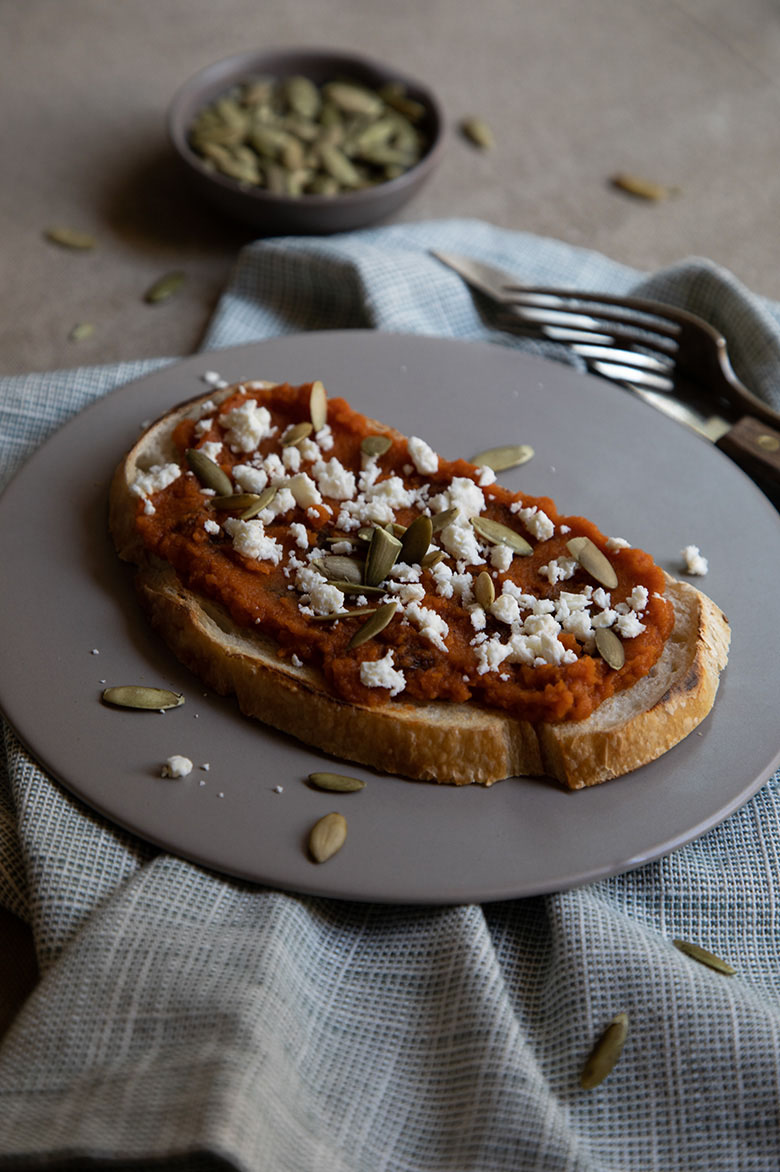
{"x": 185, "y": 1020}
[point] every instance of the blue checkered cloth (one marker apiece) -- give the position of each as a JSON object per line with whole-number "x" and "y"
{"x": 189, "y": 1021}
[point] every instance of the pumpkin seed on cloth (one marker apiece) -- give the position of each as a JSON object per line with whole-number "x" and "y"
{"x": 605, "y": 1054}
{"x": 705, "y": 957}
{"x": 164, "y": 288}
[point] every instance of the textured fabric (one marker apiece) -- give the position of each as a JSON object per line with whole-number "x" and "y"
{"x": 188, "y": 1021}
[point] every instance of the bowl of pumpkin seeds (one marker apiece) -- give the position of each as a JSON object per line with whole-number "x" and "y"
{"x": 306, "y": 141}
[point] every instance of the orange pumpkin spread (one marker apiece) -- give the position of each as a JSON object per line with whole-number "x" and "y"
{"x": 531, "y": 651}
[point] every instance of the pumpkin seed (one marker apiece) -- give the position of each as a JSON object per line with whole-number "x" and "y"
{"x": 164, "y": 287}
{"x": 303, "y": 96}
{"x": 234, "y": 500}
{"x": 442, "y": 520}
{"x": 339, "y": 166}
{"x": 696, "y": 952}
{"x": 209, "y": 472}
{"x": 355, "y": 587}
{"x": 327, "y": 837}
{"x": 318, "y": 405}
{"x": 498, "y": 534}
{"x": 499, "y": 459}
{"x": 395, "y": 95}
{"x": 593, "y": 561}
{"x": 81, "y": 331}
{"x": 375, "y": 445}
{"x": 640, "y": 187}
{"x": 342, "y": 614}
{"x": 295, "y": 434}
{"x": 70, "y": 238}
{"x": 262, "y": 502}
{"x": 352, "y": 99}
{"x": 416, "y": 540}
{"x": 484, "y": 590}
{"x": 336, "y": 782}
{"x": 376, "y": 623}
{"x": 477, "y": 131}
{"x": 141, "y": 697}
{"x": 432, "y": 559}
{"x": 339, "y": 567}
{"x": 604, "y": 1055}
{"x": 383, "y": 551}
{"x": 610, "y": 648}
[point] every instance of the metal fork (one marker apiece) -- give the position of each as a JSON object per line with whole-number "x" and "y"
{"x": 671, "y": 358}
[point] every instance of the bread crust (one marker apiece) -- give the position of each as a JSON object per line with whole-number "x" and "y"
{"x": 439, "y": 740}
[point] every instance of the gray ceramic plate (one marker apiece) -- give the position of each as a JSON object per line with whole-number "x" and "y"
{"x": 598, "y": 451}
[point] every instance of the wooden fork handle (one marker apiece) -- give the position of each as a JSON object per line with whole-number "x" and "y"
{"x": 755, "y": 446}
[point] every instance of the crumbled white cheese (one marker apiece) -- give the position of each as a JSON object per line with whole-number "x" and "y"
{"x": 326, "y": 599}
{"x": 463, "y": 494}
{"x": 478, "y": 618}
{"x": 250, "y": 479}
{"x": 300, "y": 535}
{"x": 423, "y": 456}
{"x": 202, "y": 426}
{"x": 617, "y": 543}
{"x": 295, "y": 661}
{"x": 505, "y": 609}
{"x": 212, "y": 449}
{"x": 334, "y": 480}
{"x": 491, "y": 654}
{"x": 429, "y": 623}
{"x": 176, "y": 766}
{"x": 637, "y": 599}
{"x": 501, "y": 557}
{"x": 155, "y": 479}
{"x": 407, "y": 592}
{"x": 559, "y": 570}
{"x": 486, "y": 476}
{"x": 251, "y": 540}
{"x": 304, "y": 490}
{"x": 381, "y": 674}
{"x": 535, "y": 520}
{"x": 211, "y": 527}
{"x": 307, "y": 578}
{"x": 403, "y": 572}
{"x": 341, "y": 547}
{"x": 324, "y": 437}
{"x": 461, "y": 541}
{"x": 310, "y": 452}
{"x": 602, "y": 598}
{"x": 291, "y": 458}
{"x": 247, "y": 424}
{"x": 693, "y": 562}
{"x": 629, "y": 626}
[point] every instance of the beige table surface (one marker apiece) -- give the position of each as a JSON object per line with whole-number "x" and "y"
{"x": 684, "y": 92}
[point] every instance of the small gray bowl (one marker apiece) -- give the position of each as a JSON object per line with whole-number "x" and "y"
{"x": 275, "y": 214}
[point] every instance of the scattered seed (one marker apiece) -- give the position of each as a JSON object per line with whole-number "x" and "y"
{"x": 318, "y": 405}
{"x": 375, "y": 445}
{"x": 509, "y": 456}
{"x": 343, "y": 614}
{"x": 355, "y": 587}
{"x": 498, "y": 534}
{"x": 484, "y": 590}
{"x": 141, "y": 697}
{"x": 610, "y": 648}
{"x": 336, "y": 782}
{"x": 604, "y": 1055}
{"x": 296, "y": 434}
{"x": 164, "y": 288}
{"x": 432, "y": 559}
{"x": 477, "y": 131}
{"x": 208, "y": 472}
{"x": 81, "y": 331}
{"x": 696, "y": 952}
{"x": 593, "y": 561}
{"x": 376, "y": 623}
{"x": 338, "y": 567}
{"x": 70, "y": 238}
{"x": 262, "y": 502}
{"x": 327, "y": 837}
{"x": 235, "y": 500}
{"x": 442, "y": 520}
{"x": 383, "y": 551}
{"x": 640, "y": 187}
{"x": 416, "y": 540}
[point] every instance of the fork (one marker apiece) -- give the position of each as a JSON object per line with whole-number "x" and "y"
{"x": 670, "y": 357}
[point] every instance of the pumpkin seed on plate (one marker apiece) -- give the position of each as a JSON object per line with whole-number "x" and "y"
{"x": 70, "y": 238}
{"x": 509, "y": 456}
{"x": 327, "y": 837}
{"x": 337, "y": 782}
{"x": 141, "y": 697}
{"x": 164, "y": 287}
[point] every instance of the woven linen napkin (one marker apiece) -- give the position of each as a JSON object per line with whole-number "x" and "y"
{"x": 188, "y": 1021}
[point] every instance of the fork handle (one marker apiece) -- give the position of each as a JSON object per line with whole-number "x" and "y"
{"x": 755, "y": 447}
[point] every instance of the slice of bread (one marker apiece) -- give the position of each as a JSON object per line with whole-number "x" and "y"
{"x": 437, "y": 740}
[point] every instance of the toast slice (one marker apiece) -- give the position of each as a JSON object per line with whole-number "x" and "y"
{"x": 440, "y": 740}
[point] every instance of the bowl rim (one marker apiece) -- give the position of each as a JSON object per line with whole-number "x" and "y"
{"x": 221, "y": 74}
